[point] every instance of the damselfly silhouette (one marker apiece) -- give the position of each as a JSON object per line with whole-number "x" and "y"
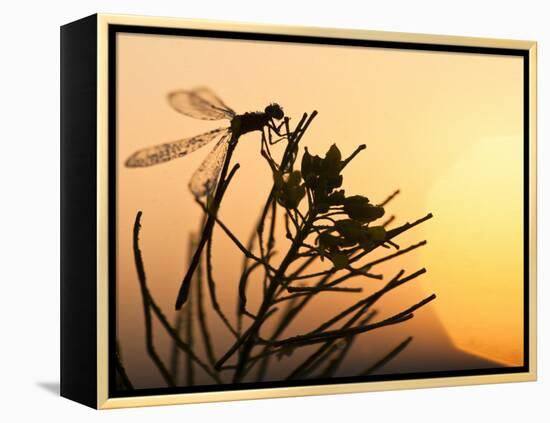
{"x": 201, "y": 103}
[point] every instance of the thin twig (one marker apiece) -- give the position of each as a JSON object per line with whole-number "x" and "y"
{"x": 388, "y": 221}
{"x": 180, "y": 314}
{"x": 371, "y": 299}
{"x": 391, "y": 256}
{"x": 392, "y": 234}
{"x": 387, "y": 358}
{"x": 242, "y": 290}
{"x": 149, "y": 343}
{"x": 312, "y": 289}
{"x": 316, "y": 290}
{"x": 262, "y": 369}
{"x": 119, "y": 367}
{"x": 334, "y": 364}
{"x": 352, "y": 155}
{"x": 189, "y": 370}
{"x": 271, "y": 196}
{"x": 212, "y": 288}
{"x": 315, "y": 359}
{"x": 334, "y": 334}
{"x": 390, "y": 197}
{"x": 245, "y": 273}
{"x": 235, "y": 240}
{"x": 203, "y": 324}
{"x": 174, "y": 356}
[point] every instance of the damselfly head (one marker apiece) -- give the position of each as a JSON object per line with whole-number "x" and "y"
{"x": 274, "y": 111}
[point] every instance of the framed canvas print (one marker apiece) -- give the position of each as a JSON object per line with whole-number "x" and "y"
{"x": 258, "y": 211}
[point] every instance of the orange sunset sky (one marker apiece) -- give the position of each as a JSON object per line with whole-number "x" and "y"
{"x": 444, "y": 128}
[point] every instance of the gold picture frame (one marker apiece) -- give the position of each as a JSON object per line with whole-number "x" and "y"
{"x": 94, "y": 33}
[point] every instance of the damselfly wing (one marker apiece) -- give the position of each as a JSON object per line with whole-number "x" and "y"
{"x": 200, "y": 104}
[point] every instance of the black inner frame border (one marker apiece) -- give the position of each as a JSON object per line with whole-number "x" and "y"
{"x": 113, "y": 30}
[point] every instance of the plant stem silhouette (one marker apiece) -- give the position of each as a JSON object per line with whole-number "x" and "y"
{"x": 322, "y": 224}
{"x": 150, "y": 305}
{"x": 121, "y": 370}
